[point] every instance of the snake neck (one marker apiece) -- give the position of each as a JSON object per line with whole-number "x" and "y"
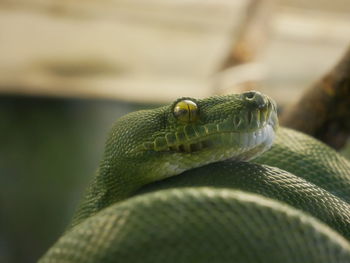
{"x": 118, "y": 179}
{"x": 109, "y": 185}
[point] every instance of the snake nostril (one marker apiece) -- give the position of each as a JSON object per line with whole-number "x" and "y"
{"x": 249, "y": 95}
{"x": 256, "y": 99}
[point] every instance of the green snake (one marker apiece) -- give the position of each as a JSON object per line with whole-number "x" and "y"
{"x": 174, "y": 185}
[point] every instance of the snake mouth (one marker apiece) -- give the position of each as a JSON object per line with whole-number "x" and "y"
{"x": 247, "y": 132}
{"x": 244, "y": 140}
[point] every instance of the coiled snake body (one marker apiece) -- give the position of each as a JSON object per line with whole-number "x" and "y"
{"x": 174, "y": 186}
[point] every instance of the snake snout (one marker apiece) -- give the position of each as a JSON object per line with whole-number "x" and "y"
{"x": 256, "y": 100}
{"x": 259, "y": 109}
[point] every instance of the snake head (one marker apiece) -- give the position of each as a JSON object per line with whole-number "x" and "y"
{"x": 190, "y": 133}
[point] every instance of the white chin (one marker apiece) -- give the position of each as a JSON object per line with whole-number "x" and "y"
{"x": 253, "y": 144}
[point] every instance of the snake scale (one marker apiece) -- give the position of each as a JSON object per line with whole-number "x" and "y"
{"x": 175, "y": 185}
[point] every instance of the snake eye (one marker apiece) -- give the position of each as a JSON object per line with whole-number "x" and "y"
{"x": 186, "y": 111}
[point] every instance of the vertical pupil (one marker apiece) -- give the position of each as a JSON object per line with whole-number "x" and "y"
{"x": 189, "y": 111}
{"x": 186, "y": 111}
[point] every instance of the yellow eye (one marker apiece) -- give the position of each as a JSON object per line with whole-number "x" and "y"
{"x": 186, "y": 111}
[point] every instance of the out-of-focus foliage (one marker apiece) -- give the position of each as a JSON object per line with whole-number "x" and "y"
{"x": 49, "y": 149}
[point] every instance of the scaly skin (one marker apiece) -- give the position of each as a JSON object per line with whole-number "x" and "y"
{"x": 170, "y": 189}
{"x": 147, "y": 146}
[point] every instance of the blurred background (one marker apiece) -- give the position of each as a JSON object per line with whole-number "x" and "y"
{"x": 68, "y": 69}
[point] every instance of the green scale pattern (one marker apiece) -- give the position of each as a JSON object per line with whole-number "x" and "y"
{"x": 290, "y": 204}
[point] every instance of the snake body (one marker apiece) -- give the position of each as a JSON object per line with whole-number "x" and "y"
{"x": 175, "y": 186}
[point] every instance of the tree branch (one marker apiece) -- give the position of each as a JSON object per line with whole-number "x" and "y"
{"x": 324, "y": 110}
